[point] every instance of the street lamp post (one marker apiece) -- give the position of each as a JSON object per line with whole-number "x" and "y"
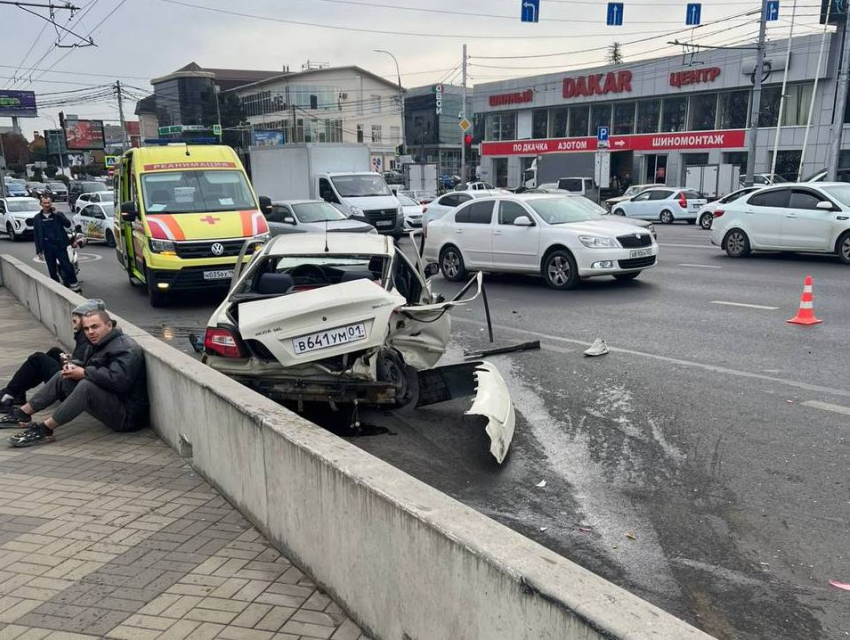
{"x": 400, "y": 100}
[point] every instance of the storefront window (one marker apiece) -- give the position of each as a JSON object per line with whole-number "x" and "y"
{"x": 734, "y": 108}
{"x": 703, "y": 112}
{"x": 798, "y": 99}
{"x": 540, "y": 123}
{"x": 500, "y": 126}
{"x": 600, "y": 116}
{"x": 787, "y": 164}
{"x": 648, "y": 114}
{"x": 624, "y": 118}
{"x": 558, "y": 123}
{"x": 579, "y": 121}
{"x": 674, "y": 116}
{"x": 769, "y": 111}
{"x": 736, "y": 157}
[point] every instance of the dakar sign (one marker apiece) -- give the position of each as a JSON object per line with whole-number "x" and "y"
{"x": 598, "y": 84}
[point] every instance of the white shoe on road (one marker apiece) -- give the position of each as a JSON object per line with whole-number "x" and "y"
{"x": 598, "y": 348}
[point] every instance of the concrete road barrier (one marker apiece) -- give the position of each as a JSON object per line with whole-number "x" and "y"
{"x": 406, "y": 561}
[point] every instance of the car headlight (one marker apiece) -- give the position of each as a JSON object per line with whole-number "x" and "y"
{"x": 161, "y": 246}
{"x": 651, "y": 229}
{"x": 400, "y": 211}
{"x": 260, "y": 240}
{"x": 356, "y": 211}
{"x": 598, "y": 242}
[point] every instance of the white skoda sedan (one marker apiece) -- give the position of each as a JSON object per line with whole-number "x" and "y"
{"x": 544, "y": 234}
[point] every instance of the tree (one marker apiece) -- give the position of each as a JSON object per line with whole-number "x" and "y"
{"x": 615, "y": 53}
{"x": 232, "y": 116}
{"x": 16, "y": 148}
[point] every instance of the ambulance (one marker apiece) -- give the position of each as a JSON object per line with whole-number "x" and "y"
{"x": 182, "y": 214}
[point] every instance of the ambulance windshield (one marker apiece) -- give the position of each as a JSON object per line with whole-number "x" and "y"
{"x": 196, "y": 191}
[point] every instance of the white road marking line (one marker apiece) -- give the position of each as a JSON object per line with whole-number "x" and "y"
{"x": 685, "y": 363}
{"x": 699, "y": 266}
{"x": 826, "y": 406}
{"x": 741, "y": 304}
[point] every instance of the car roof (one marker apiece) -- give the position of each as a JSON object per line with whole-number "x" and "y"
{"x": 20, "y": 199}
{"x": 337, "y": 243}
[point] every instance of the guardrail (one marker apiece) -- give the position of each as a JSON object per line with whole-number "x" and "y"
{"x": 406, "y": 561}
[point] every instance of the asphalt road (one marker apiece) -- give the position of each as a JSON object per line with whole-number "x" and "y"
{"x": 702, "y": 464}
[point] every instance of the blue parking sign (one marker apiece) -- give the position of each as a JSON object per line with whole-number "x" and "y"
{"x": 602, "y": 134}
{"x": 615, "y": 14}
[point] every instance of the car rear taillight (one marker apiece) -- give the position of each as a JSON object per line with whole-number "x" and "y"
{"x": 222, "y": 342}
{"x": 683, "y": 201}
{"x": 719, "y": 213}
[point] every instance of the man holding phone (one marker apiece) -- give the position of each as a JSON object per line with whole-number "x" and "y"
{"x": 110, "y": 385}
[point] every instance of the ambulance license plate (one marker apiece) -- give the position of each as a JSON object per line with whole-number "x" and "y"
{"x": 329, "y": 338}
{"x": 224, "y": 274}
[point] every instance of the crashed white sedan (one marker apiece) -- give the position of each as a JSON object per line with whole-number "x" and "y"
{"x": 348, "y": 319}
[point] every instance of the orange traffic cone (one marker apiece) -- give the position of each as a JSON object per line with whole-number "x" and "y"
{"x": 806, "y": 313}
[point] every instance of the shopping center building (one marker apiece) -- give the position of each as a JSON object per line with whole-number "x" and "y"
{"x": 665, "y": 114}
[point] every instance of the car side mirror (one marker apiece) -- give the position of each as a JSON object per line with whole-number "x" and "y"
{"x": 523, "y": 221}
{"x": 825, "y": 206}
{"x": 431, "y": 269}
{"x": 265, "y": 204}
{"x": 289, "y": 219}
{"x": 129, "y": 211}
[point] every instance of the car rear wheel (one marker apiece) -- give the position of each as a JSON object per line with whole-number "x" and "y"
{"x": 625, "y": 277}
{"x": 451, "y": 264}
{"x": 844, "y": 248}
{"x": 619, "y": 212}
{"x": 705, "y": 220}
{"x": 736, "y": 244}
{"x": 560, "y": 271}
{"x": 110, "y": 239}
{"x": 666, "y": 217}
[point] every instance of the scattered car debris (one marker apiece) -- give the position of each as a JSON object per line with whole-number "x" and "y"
{"x": 347, "y": 319}
{"x": 522, "y": 346}
{"x": 630, "y": 536}
{"x": 541, "y": 484}
{"x": 585, "y": 529}
{"x": 598, "y": 348}
{"x": 840, "y": 585}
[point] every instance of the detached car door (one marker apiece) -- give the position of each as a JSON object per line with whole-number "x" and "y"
{"x": 515, "y": 247}
{"x": 804, "y": 226}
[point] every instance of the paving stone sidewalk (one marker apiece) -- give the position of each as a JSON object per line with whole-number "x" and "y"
{"x": 106, "y": 535}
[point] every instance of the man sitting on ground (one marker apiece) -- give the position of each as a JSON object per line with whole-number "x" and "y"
{"x": 40, "y": 367}
{"x": 111, "y": 386}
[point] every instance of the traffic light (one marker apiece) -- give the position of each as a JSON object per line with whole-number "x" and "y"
{"x": 467, "y": 141}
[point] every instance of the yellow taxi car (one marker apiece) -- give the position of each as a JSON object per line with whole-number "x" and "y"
{"x": 183, "y": 213}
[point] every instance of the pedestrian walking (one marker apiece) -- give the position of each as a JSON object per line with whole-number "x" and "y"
{"x": 51, "y": 243}
{"x": 39, "y": 367}
{"x": 111, "y": 386}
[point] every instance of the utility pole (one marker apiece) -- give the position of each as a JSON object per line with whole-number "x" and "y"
{"x": 125, "y": 144}
{"x": 463, "y": 115}
{"x": 2, "y": 168}
{"x": 400, "y": 99}
{"x": 782, "y": 93}
{"x": 755, "y": 107}
{"x": 840, "y": 104}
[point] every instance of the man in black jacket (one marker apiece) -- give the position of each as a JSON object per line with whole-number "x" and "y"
{"x": 51, "y": 243}
{"x": 40, "y": 367}
{"x": 111, "y": 386}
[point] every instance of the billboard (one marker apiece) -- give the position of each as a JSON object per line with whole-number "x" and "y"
{"x": 84, "y": 135}
{"x": 55, "y": 140}
{"x": 17, "y": 104}
{"x": 268, "y": 138}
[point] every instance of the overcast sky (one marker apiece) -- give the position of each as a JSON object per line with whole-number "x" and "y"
{"x": 143, "y": 39}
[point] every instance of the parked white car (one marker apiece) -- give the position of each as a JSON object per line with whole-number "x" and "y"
{"x": 99, "y": 197}
{"x": 446, "y": 202}
{"x": 553, "y": 236}
{"x": 705, "y": 216}
{"x": 666, "y": 204}
{"x": 347, "y": 319}
{"x": 805, "y": 217}
{"x": 629, "y": 193}
{"x": 16, "y": 217}
{"x": 97, "y": 222}
{"x": 312, "y": 216}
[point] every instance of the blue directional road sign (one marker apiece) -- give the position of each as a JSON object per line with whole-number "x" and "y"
{"x": 530, "y": 11}
{"x": 692, "y": 17}
{"x": 615, "y": 14}
{"x": 771, "y": 12}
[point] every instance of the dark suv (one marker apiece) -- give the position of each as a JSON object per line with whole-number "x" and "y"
{"x": 79, "y": 187}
